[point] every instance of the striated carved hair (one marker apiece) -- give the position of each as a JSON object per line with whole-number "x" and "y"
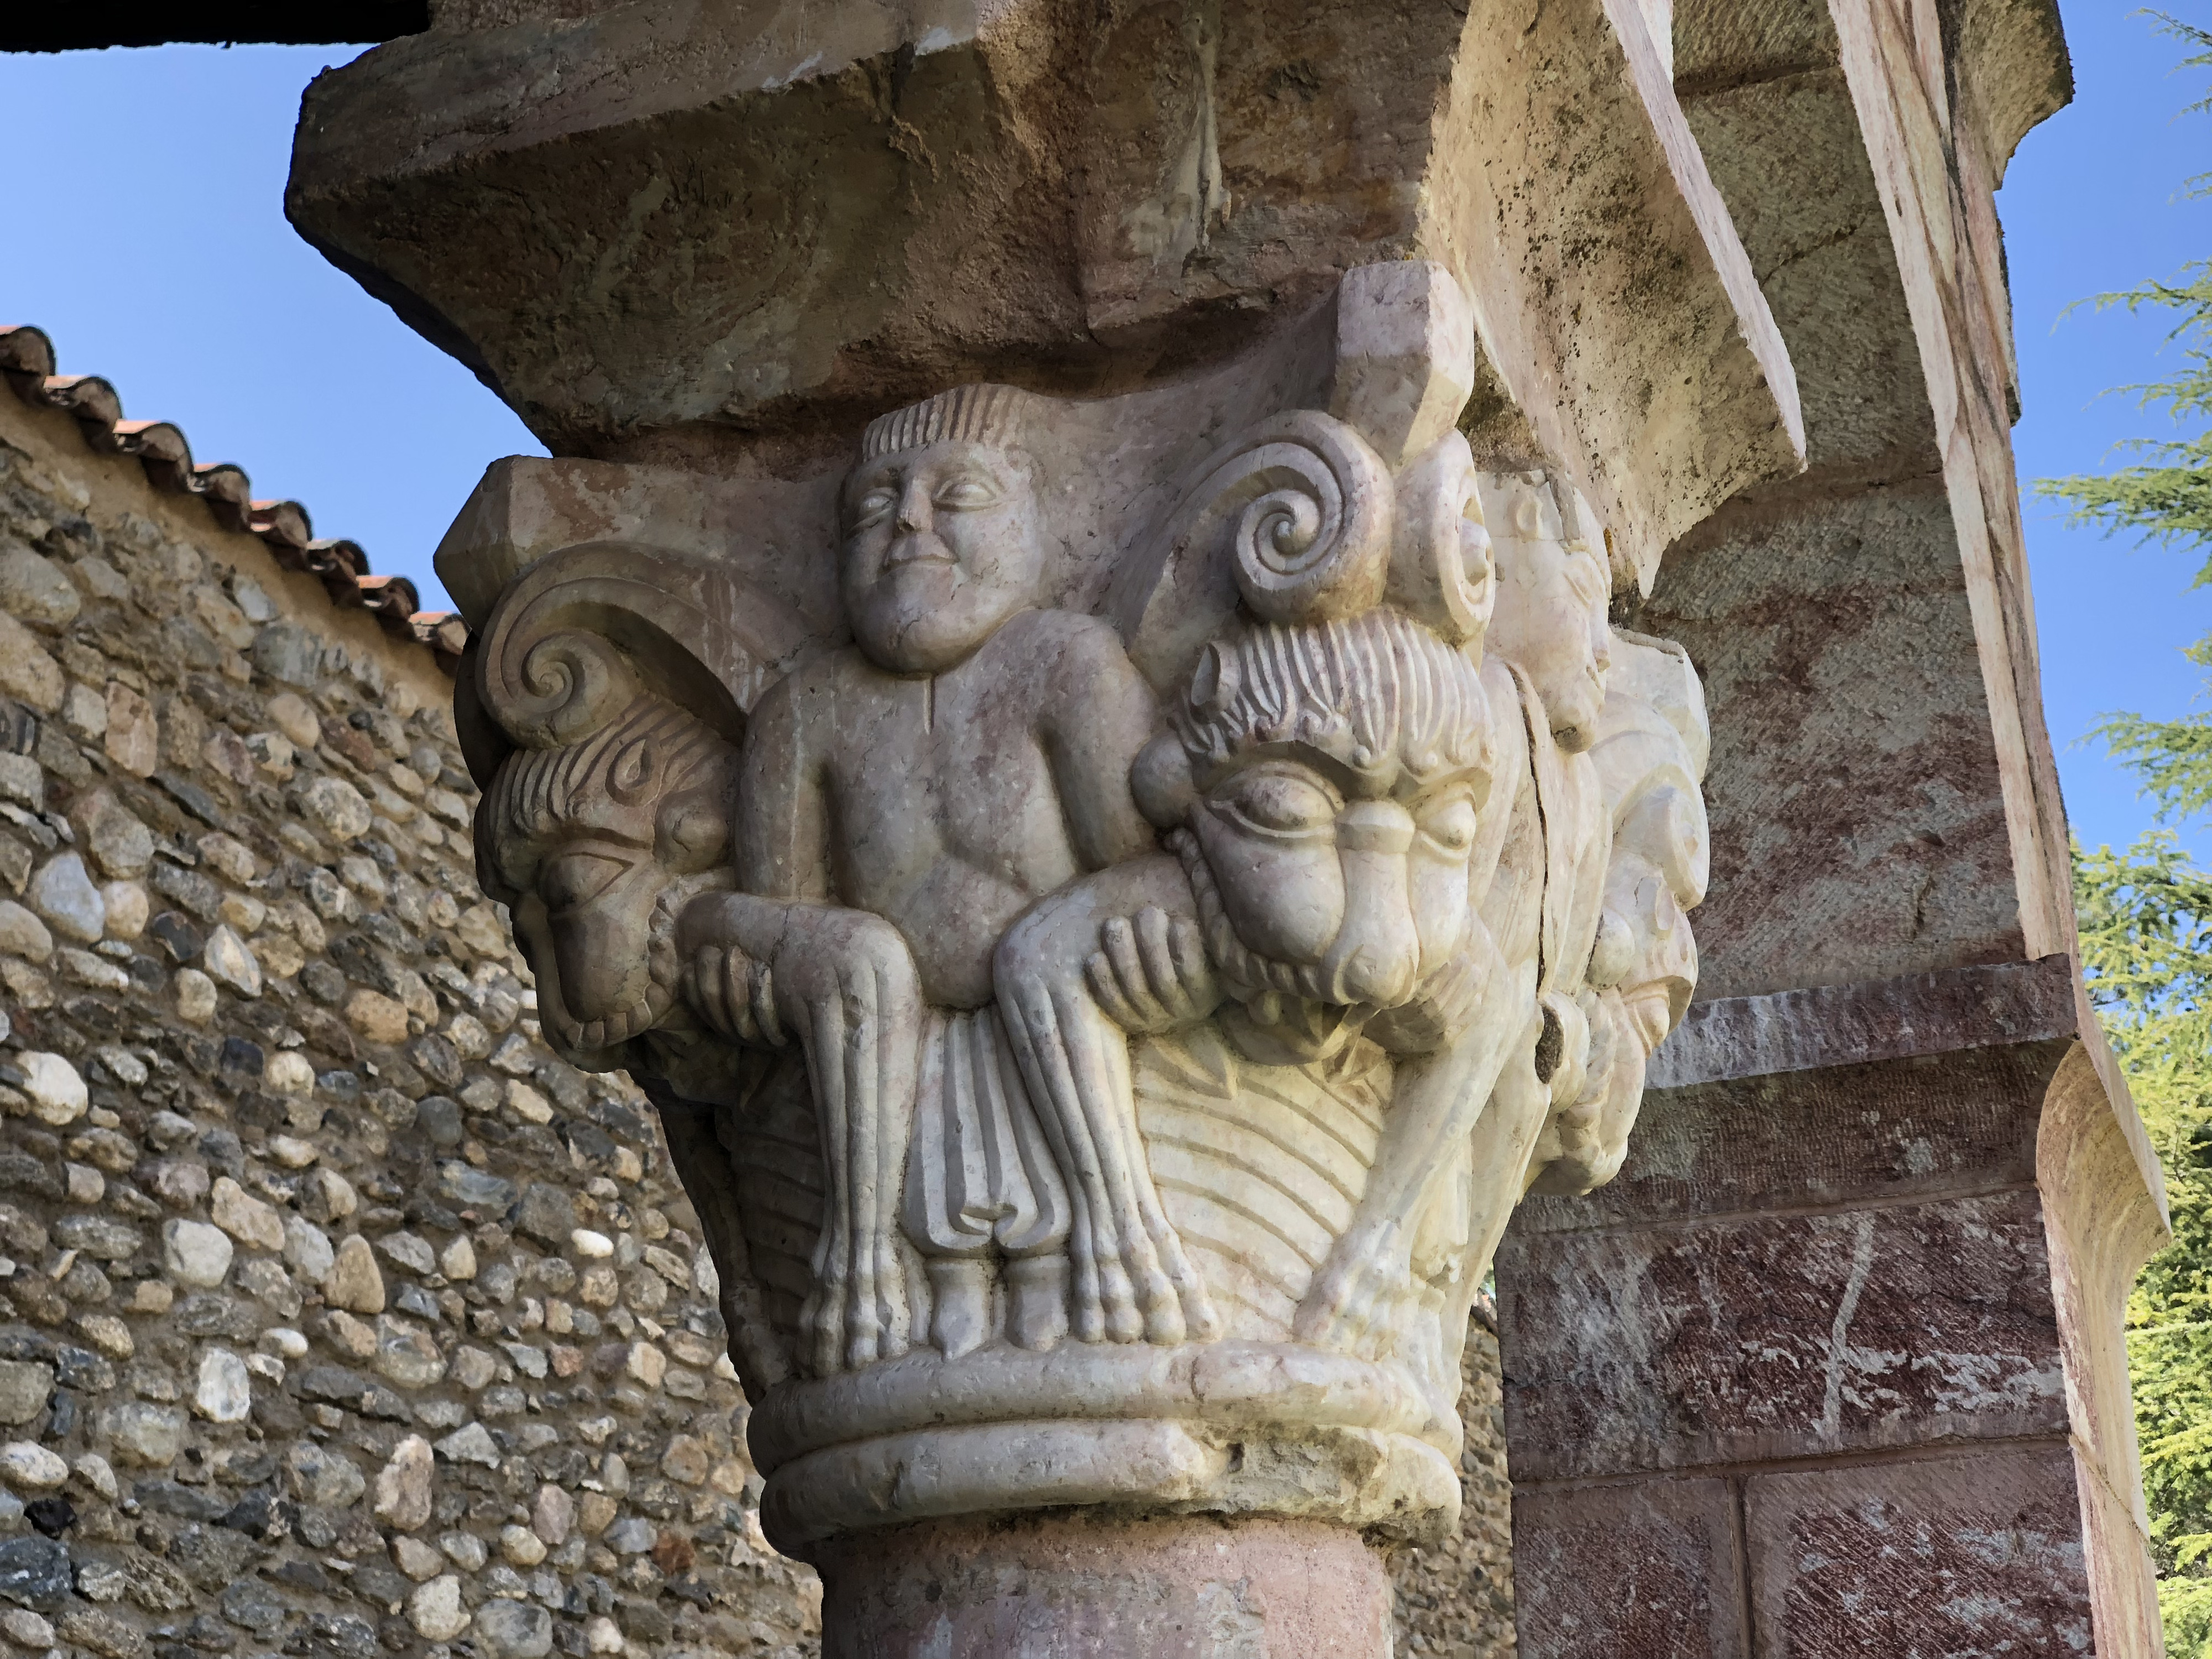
{"x": 614, "y": 783}
{"x": 1378, "y": 692}
{"x": 997, "y": 416}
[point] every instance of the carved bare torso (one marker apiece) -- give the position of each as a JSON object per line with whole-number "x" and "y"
{"x": 948, "y": 802}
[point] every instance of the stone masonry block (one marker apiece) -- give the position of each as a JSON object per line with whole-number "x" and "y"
{"x": 1890, "y": 1129}
{"x": 1967, "y": 1558}
{"x": 1644, "y": 1568}
{"x": 1779, "y": 1336}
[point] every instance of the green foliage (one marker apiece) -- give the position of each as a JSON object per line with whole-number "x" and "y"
{"x": 2146, "y": 921}
{"x": 2147, "y": 944}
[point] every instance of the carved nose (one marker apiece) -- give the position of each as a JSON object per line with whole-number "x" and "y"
{"x": 1374, "y": 826}
{"x": 914, "y": 509}
{"x": 1376, "y": 957}
{"x": 1378, "y": 976}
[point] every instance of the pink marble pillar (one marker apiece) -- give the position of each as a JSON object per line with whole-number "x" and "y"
{"x": 1076, "y": 1585}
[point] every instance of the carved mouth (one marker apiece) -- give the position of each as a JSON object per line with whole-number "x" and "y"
{"x": 1267, "y": 986}
{"x": 918, "y": 550}
{"x": 639, "y": 1017}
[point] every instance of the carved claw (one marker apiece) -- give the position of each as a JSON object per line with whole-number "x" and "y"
{"x": 1199, "y": 1322}
{"x": 1443, "y": 1007}
{"x": 1358, "y": 1283}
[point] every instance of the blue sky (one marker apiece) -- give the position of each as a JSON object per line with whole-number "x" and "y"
{"x": 149, "y": 239}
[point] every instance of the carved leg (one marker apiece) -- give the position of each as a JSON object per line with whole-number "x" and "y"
{"x": 1066, "y": 1070}
{"x": 844, "y": 981}
{"x": 866, "y": 1035}
{"x": 1132, "y": 1279}
{"x": 1439, "y": 1098}
{"x": 822, "y": 1319}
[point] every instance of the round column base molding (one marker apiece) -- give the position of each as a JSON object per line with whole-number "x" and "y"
{"x": 1392, "y": 1485}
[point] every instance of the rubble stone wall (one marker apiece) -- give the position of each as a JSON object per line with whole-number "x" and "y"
{"x": 337, "y": 1316}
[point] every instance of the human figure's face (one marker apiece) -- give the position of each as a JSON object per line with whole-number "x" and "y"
{"x": 941, "y": 547}
{"x": 1550, "y": 617}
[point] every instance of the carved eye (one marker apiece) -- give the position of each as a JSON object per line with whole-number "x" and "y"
{"x": 1276, "y": 803}
{"x": 1450, "y": 824}
{"x": 875, "y": 507}
{"x": 573, "y": 881}
{"x": 965, "y": 492}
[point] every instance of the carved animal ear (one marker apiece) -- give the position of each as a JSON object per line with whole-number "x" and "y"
{"x": 1160, "y": 781}
{"x": 577, "y": 636}
{"x": 1216, "y": 681}
{"x": 1292, "y": 517}
{"x": 1441, "y": 569}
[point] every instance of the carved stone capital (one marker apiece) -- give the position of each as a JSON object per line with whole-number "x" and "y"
{"x": 1114, "y": 943}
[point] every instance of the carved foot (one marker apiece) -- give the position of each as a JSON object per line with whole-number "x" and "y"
{"x": 1358, "y": 1285}
{"x": 1112, "y": 1315}
{"x": 1193, "y": 1309}
{"x": 1147, "y": 1291}
{"x": 1037, "y": 1288}
{"x": 960, "y": 1305}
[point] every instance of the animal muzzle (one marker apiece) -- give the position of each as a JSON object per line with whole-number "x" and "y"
{"x": 584, "y": 1035}
{"x": 1376, "y": 957}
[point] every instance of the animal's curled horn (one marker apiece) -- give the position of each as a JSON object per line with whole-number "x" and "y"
{"x": 1441, "y": 569}
{"x": 579, "y": 635}
{"x": 1312, "y": 538}
{"x": 1293, "y": 516}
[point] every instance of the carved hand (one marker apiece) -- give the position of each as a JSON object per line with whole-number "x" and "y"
{"x": 733, "y": 993}
{"x": 1068, "y": 1010}
{"x": 1151, "y": 974}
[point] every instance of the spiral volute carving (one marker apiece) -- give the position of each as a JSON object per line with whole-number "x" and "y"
{"x": 582, "y": 633}
{"x": 1312, "y": 538}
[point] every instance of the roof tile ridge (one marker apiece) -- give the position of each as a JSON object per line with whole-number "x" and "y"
{"x": 28, "y": 365}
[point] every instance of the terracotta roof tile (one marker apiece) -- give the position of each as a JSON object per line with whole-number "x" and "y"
{"x": 27, "y": 362}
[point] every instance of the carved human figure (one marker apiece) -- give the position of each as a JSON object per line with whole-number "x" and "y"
{"x": 988, "y": 1000}
{"x": 901, "y": 801}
